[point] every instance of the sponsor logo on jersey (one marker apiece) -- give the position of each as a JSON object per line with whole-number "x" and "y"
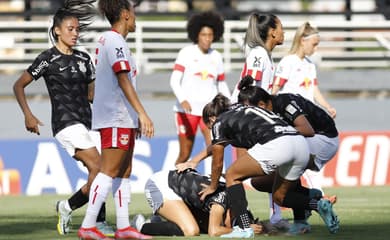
{"x": 124, "y": 139}
{"x": 38, "y": 69}
{"x": 306, "y": 83}
{"x": 204, "y": 75}
{"x": 63, "y": 68}
{"x": 119, "y": 53}
{"x": 82, "y": 67}
{"x": 257, "y": 62}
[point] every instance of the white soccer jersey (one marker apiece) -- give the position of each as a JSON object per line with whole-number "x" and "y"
{"x": 110, "y": 107}
{"x": 260, "y": 66}
{"x": 298, "y": 76}
{"x": 197, "y": 77}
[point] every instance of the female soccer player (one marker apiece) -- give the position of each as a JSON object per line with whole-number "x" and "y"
{"x": 69, "y": 76}
{"x": 119, "y": 116}
{"x": 263, "y": 34}
{"x": 198, "y": 76}
{"x": 262, "y": 133}
{"x": 174, "y": 196}
{"x": 309, "y": 119}
{"x": 297, "y": 74}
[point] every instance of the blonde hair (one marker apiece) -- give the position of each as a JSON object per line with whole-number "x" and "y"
{"x": 304, "y": 31}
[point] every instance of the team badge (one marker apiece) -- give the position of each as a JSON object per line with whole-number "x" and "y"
{"x": 257, "y": 63}
{"x": 124, "y": 139}
{"x": 119, "y": 53}
{"x": 82, "y": 67}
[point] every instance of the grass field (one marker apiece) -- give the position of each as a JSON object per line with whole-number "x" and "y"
{"x": 364, "y": 213}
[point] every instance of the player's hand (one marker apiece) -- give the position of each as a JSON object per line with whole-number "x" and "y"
{"x": 32, "y": 124}
{"x": 181, "y": 167}
{"x": 186, "y": 106}
{"x": 146, "y": 125}
{"x": 207, "y": 190}
{"x": 257, "y": 228}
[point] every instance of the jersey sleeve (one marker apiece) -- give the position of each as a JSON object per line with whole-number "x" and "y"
{"x": 282, "y": 72}
{"x": 288, "y": 108}
{"x": 176, "y": 76}
{"x": 255, "y": 65}
{"x": 116, "y": 55}
{"x": 39, "y": 66}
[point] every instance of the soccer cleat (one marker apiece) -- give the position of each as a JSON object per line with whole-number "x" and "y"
{"x": 240, "y": 233}
{"x": 315, "y": 193}
{"x": 328, "y": 216}
{"x": 64, "y": 218}
{"x": 298, "y": 227}
{"x": 91, "y": 234}
{"x": 106, "y": 229}
{"x": 273, "y": 228}
{"x": 130, "y": 233}
{"x": 332, "y": 199}
{"x": 138, "y": 221}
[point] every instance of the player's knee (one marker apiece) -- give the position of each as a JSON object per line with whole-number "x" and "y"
{"x": 190, "y": 230}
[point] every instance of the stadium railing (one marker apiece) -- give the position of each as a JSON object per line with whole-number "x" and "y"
{"x": 344, "y": 44}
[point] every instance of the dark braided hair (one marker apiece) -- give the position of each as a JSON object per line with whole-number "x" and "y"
{"x": 83, "y": 10}
{"x": 251, "y": 94}
{"x": 209, "y": 19}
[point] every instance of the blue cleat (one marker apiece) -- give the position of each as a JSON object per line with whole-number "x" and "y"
{"x": 240, "y": 233}
{"x": 298, "y": 227}
{"x": 327, "y": 214}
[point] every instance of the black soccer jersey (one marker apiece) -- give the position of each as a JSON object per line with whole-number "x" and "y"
{"x": 188, "y": 184}
{"x": 244, "y": 126}
{"x": 67, "y": 78}
{"x": 290, "y": 106}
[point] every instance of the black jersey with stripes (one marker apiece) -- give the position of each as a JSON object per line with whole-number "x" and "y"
{"x": 244, "y": 126}
{"x": 188, "y": 184}
{"x": 67, "y": 78}
{"x": 290, "y": 106}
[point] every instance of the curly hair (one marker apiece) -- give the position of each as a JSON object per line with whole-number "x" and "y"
{"x": 205, "y": 19}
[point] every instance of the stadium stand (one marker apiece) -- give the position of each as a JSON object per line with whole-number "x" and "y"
{"x": 355, "y": 37}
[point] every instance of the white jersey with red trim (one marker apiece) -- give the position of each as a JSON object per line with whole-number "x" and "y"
{"x": 197, "y": 77}
{"x": 260, "y": 66}
{"x": 298, "y": 76}
{"x": 110, "y": 107}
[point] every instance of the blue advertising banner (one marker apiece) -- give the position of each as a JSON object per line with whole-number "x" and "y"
{"x": 34, "y": 167}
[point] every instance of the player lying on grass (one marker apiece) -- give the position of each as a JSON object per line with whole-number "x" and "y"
{"x": 174, "y": 196}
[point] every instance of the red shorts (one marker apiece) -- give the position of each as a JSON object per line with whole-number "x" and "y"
{"x": 122, "y": 138}
{"x": 187, "y": 124}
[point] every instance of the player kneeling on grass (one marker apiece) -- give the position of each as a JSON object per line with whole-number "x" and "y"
{"x": 174, "y": 196}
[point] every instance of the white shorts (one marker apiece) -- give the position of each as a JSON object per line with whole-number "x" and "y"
{"x": 288, "y": 154}
{"x": 324, "y": 148}
{"x": 77, "y": 137}
{"x": 157, "y": 190}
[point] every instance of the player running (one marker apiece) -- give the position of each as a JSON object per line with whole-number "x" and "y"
{"x": 69, "y": 77}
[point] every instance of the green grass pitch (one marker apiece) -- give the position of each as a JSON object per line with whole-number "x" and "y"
{"x": 364, "y": 214}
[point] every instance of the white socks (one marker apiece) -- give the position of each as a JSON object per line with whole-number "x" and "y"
{"x": 100, "y": 189}
{"x": 275, "y": 211}
{"x": 121, "y": 191}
